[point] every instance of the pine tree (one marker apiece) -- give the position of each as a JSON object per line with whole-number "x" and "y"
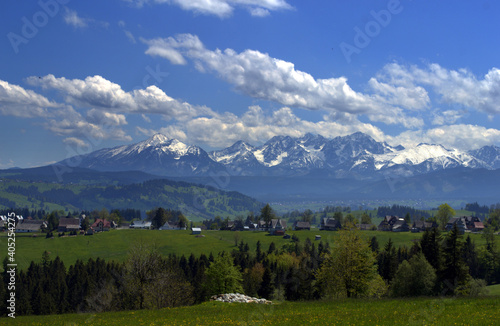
{"x": 455, "y": 273}
{"x": 388, "y": 261}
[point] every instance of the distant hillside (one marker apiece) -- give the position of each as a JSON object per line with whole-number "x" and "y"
{"x": 95, "y": 190}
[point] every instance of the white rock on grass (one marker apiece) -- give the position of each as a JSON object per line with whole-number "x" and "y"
{"x": 238, "y": 298}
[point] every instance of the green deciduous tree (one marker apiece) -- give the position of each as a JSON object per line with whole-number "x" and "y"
{"x": 445, "y": 212}
{"x": 223, "y": 277}
{"x": 415, "y": 277}
{"x": 349, "y": 270}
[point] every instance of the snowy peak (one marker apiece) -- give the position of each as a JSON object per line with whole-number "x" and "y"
{"x": 434, "y": 156}
{"x": 237, "y": 152}
{"x": 488, "y": 154}
{"x": 357, "y": 155}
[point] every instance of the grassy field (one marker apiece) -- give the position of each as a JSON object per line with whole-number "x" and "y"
{"x": 494, "y": 289}
{"x": 422, "y": 311}
{"x": 115, "y": 244}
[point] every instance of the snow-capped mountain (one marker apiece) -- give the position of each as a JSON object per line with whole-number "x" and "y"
{"x": 156, "y": 155}
{"x": 489, "y": 155}
{"x": 356, "y": 155}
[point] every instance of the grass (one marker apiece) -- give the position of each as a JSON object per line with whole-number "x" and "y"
{"x": 494, "y": 289}
{"x": 115, "y": 244}
{"x": 421, "y": 311}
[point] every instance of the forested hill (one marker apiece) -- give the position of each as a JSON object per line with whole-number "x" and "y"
{"x": 197, "y": 202}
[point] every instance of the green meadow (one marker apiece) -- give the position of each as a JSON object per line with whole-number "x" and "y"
{"x": 421, "y": 311}
{"x": 115, "y": 244}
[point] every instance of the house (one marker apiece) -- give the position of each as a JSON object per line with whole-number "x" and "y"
{"x": 470, "y": 223}
{"x": 102, "y": 225}
{"x": 421, "y": 226}
{"x": 388, "y": 223}
{"x": 299, "y": 225}
{"x": 172, "y": 226}
{"x": 277, "y": 227}
{"x": 459, "y": 221}
{"x": 262, "y": 225}
{"x": 400, "y": 226}
{"x": 140, "y": 225}
{"x": 195, "y": 230}
{"x": 30, "y": 226}
{"x": 330, "y": 224}
{"x": 478, "y": 227}
{"x": 68, "y": 224}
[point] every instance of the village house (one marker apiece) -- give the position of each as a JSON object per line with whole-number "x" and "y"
{"x": 172, "y": 226}
{"x": 299, "y": 225}
{"x": 474, "y": 223}
{"x": 68, "y": 224}
{"x": 26, "y": 225}
{"x": 330, "y": 224}
{"x": 394, "y": 224}
{"x": 400, "y": 226}
{"x": 195, "y": 230}
{"x": 277, "y": 227}
{"x": 421, "y": 226}
{"x": 103, "y": 225}
{"x": 460, "y": 222}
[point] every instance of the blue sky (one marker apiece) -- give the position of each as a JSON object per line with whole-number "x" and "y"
{"x": 76, "y": 76}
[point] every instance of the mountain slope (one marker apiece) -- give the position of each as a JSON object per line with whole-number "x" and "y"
{"x": 197, "y": 202}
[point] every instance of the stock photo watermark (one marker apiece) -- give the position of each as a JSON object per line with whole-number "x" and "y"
{"x": 32, "y": 25}
{"x": 11, "y": 265}
{"x": 364, "y": 35}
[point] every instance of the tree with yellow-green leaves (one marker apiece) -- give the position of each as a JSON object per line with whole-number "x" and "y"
{"x": 350, "y": 270}
{"x": 445, "y": 212}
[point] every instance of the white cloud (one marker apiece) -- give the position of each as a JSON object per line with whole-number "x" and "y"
{"x": 60, "y": 119}
{"x": 130, "y": 36}
{"x": 256, "y": 127}
{"x": 71, "y": 18}
{"x": 19, "y": 102}
{"x": 460, "y": 136}
{"x": 259, "y": 12}
{"x": 261, "y": 76}
{"x": 100, "y": 93}
{"x": 453, "y": 86}
{"x": 77, "y": 142}
{"x": 222, "y": 8}
{"x": 447, "y": 117}
{"x": 105, "y": 118}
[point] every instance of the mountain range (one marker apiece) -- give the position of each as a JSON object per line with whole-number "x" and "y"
{"x": 356, "y": 156}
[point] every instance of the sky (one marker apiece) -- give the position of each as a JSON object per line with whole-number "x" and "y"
{"x": 77, "y": 76}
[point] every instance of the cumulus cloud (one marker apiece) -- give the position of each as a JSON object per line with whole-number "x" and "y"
{"x": 19, "y": 102}
{"x": 256, "y": 126}
{"x": 60, "y": 118}
{"x": 100, "y": 93}
{"x": 453, "y": 86}
{"x": 221, "y": 8}
{"x": 105, "y": 118}
{"x": 261, "y": 76}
